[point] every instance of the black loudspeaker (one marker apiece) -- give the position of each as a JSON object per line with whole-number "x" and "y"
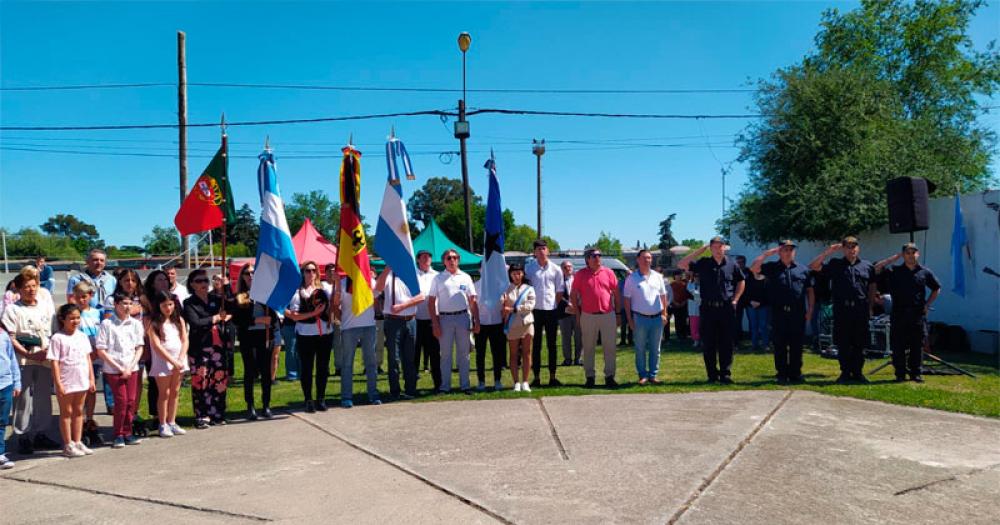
{"x": 908, "y": 204}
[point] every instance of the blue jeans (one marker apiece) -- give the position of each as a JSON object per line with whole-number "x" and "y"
{"x": 291, "y": 354}
{"x": 6, "y": 402}
{"x": 349, "y": 342}
{"x": 401, "y": 337}
{"x": 760, "y": 325}
{"x": 109, "y": 397}
{"x": 647, "y": 335}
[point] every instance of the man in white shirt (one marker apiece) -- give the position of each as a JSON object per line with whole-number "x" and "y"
{"x": 180, "y": 291}
{"x": 453, "y": 308}
{"x": 571, "y": 341}
{"x": 547, "y": 279}
{"x": 646, "y": 299}
{"x": 427, "y": 345}
{"x": 355, "y": 329}
{"x": 399, "y": 309}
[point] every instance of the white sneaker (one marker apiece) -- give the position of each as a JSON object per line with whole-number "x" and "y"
{"x": 525, "y": 387}
{"x": 498, "y": 386}
{"x": 5, "y": 463}
{"x": 517, "y": 387}
{"x": 165, "y": 431}
{"x": 70, "y": 451}
{"x": 83, "y": 448}
{"x": 176, "y": 429}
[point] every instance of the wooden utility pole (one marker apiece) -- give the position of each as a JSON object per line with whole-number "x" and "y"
{"x": 182, "y": 131}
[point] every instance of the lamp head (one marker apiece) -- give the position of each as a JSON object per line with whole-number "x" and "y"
{"x": 464, "y": 41}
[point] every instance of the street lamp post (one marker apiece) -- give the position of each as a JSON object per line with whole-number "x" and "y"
{"x": 462, "y": 133}
{"x": 538, "y": 148}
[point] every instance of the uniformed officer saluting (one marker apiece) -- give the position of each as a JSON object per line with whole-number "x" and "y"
{"x": 789, "y": 288}
{"x": 721, "y": 287}
{"x": 852, "y": 282}
{"x": 908, "y": 284}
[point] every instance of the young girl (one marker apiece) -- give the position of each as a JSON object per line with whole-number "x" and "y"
{"x": 69, "y": 353}
{"x": 168, "y": 337}
{"x": 90, "y": 323}
{"x": 694, "y": 309}
{"x": 518, "y": 301}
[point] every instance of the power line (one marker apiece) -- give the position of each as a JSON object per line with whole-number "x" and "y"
{"x": 532, "y": 112}
{"x": 398, "y": 89}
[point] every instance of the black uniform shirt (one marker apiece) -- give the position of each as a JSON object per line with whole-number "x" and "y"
{"x": 786, "y": 285}
{"x": 849, "y": 281}
{"x": 718, "y": 281}
{"x": 908, "y": 287}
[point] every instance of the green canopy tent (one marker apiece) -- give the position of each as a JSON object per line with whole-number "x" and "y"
{"x": 435, "y": 241}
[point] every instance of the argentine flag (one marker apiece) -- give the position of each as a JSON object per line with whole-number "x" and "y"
{"x": 392, "y": 236}
{"x": 277, "y": 274}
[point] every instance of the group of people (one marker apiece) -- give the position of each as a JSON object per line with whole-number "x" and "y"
{"x": 116, "y": 329}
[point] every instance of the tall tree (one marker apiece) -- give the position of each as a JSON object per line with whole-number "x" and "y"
{"x": 317, "y": 206}
{"x": 432, "y": 200}
{"x": 521, "y": 238}
{"x": 163, "y": 240}
{"x": 452, "y": 223}
{"x": 82, "y": 235}
{"x": 667, "y": 239}
{"x": 890, "y": 91}
{"x": 607, "y": 244}
{"x": 245, "y": 231}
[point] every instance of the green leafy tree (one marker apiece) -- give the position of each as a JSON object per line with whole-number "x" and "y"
{"x": 607, "y": 244}
{"x": 29, "y": 242}
{"x": 163, "y": 240}
{"x": 521, "y": 238}
{"x": 246, "y": 231}
{"x": 452, "y": 223}
{"x": 890, "y": 91}
{"x": 317, "y": 206}
{"x": 433, "y": 199}
{"x": 667, "y": 239}
{"x": 82, "y": 235}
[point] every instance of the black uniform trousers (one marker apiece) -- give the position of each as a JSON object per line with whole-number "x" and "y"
{"x": 492, "y": 334}
{"x": 314, "y": 350}
{"x": 256, "y": 363}
{"x": 850, "y": 334}
{"x": 680, "y": 315}
{"x": 718, "y": 327}
{"x": 545, "y": 321}
{"x": 428, "y": 345}
{"x": 788, "y": 330}
{"x": 908, "y": 335}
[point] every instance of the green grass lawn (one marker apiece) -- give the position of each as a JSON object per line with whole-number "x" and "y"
{"x": 682, "y": 370}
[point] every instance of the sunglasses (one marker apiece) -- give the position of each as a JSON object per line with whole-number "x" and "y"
{"x": 451, "y": 258}
{"x": 594, "y": 255}
{"x": 200, "y": 280}
{"x": 313, "y": 270}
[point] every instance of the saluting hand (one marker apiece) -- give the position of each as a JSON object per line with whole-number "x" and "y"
{"x": 772, "y": 251}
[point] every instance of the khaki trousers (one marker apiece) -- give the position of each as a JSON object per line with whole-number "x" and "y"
{"x": 590, "y": 326}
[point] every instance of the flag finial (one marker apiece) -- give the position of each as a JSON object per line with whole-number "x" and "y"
{"x": 222, "y": 123}
{"x": 392, "y": 132}
{"x": 267, "y": 143}
{"x": 350, "y": 140}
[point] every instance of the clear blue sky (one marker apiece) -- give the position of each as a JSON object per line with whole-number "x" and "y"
{"x": 587, "y": 187}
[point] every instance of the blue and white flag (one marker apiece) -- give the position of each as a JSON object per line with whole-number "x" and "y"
{"x": 958, "y": 243}
{"x": 392, "y": 236}
{"x": 493, "y": 269}
{"x": 276, "y": 275}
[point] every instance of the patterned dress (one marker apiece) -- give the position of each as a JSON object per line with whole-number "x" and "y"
{"x": 207, "y": 356}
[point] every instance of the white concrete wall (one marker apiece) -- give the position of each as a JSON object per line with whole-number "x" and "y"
{"x": 980, "y": 308}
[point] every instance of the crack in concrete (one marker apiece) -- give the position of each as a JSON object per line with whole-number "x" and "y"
{"x": 552, "y": 430}
{"x": 707, "y": 482}
{"x": 406, "y": 470}
{"x": 954, "y": 477}
{"x": 141, "y": 499}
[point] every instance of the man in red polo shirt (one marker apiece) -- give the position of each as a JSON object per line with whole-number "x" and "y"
{"x": 594, "y": 287}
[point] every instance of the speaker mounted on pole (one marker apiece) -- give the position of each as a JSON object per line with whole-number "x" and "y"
{"x": 909, "y": 204}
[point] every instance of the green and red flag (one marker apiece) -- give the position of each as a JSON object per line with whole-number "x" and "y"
{"x": 210, "y": 201}
{"x": 352, "y": 254}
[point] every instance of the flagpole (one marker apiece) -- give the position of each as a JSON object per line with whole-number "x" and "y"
{"x": 224, "y": 266}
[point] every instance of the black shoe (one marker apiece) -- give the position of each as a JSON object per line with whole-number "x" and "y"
{"x": 201, "y": 424}
{"x": 321, "y": 405}
{"x": 266, "y": 413}
{"x": 900, "y": 379}
{"x": 861, "y": 379}
{"x": 43, "y": 442}
{"x": 918, "y": 379}
{"x": 797, "y": 380}
{"x": 725, "y": 380}
{"x": 536, "y": 382}
{"x": 467, "y": 391}
{"x": 610, "y": 382}
{"x": 252, "y": 414}
{"x": 24, "y": 447}
{"x": 310, "y": 407}
{"x": 221, "y": 422}
{"x": 406, "y": 397}
{"x": 782, "y": 380}
{"x": 589, "y": 383}
{"x": 578, "y": 362}
{"x": 379, "y": 370}
{"x": 567, "y": 362}
{"x": 712, "y": 380}
{"x": 555, "y": 382}
{"x": 336, "y": 373}
{"x": 843, "y": 379}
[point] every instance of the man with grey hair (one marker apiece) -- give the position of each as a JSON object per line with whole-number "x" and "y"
{"x": 103, "y": 282}
{"x": 571, "y": 343}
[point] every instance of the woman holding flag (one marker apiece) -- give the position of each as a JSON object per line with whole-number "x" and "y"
{"x": 211, "y": 339}
{"x": 310, "y": 309}
{"x": 256, "y": 323}
{"x": 518, "y": 301}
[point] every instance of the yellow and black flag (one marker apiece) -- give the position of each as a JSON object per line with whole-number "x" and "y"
{"x": 352, "y": 254}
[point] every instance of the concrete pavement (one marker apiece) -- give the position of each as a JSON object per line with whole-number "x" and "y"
{"x": 713, "y": 457}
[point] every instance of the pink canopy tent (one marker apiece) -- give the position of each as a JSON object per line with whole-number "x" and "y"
{"x": 310, "y": 245}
